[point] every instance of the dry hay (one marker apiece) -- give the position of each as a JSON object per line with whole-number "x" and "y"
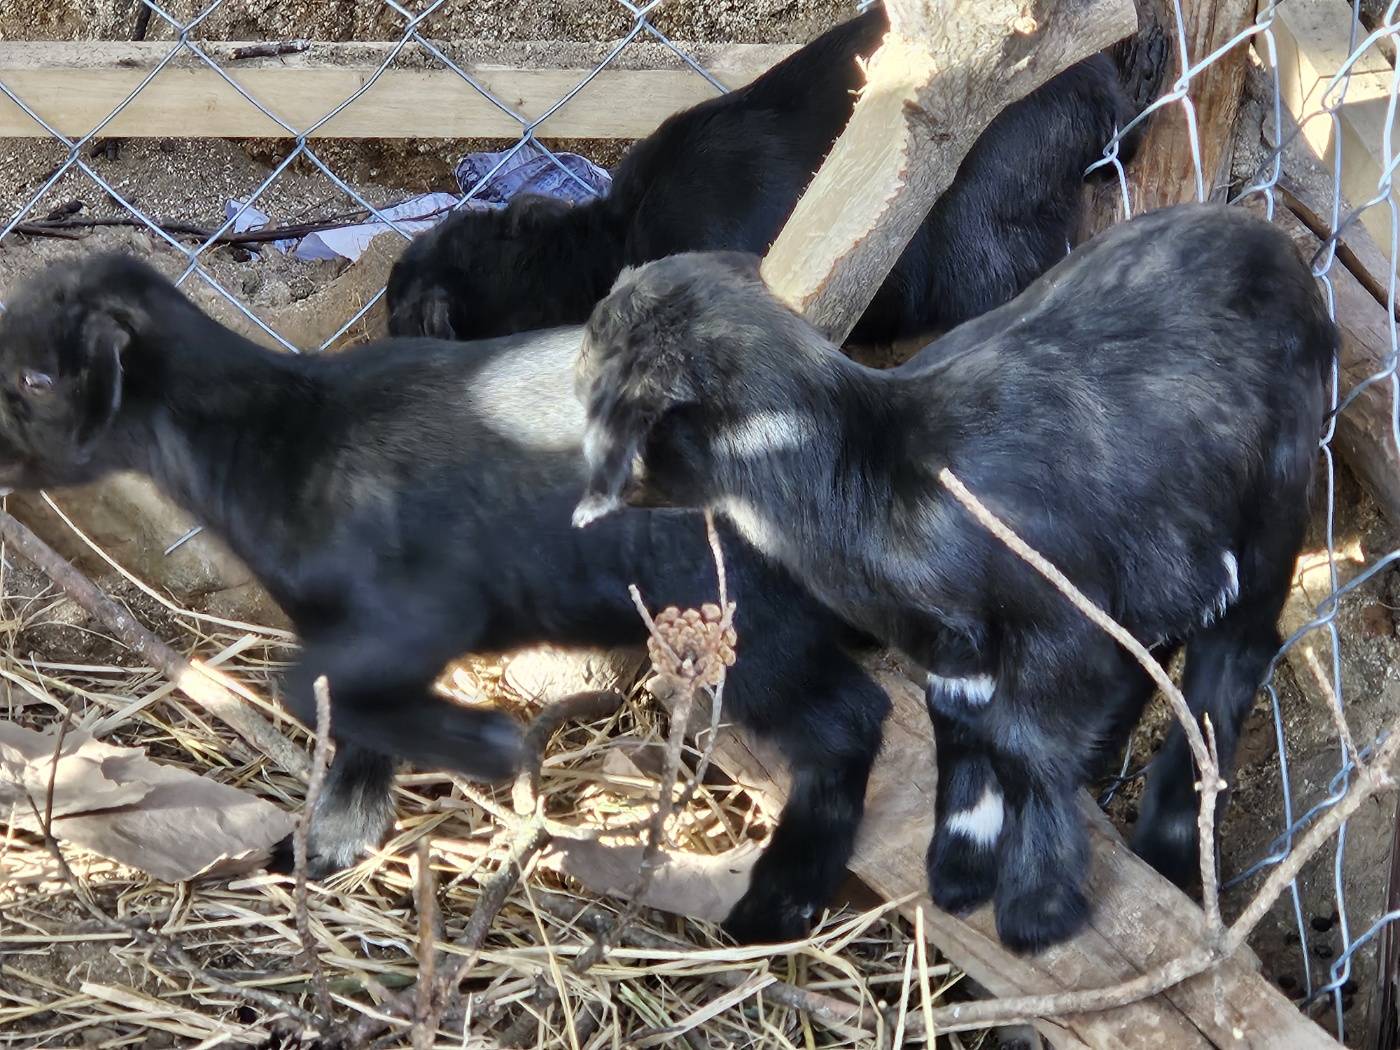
{"x": 73, "y": 972}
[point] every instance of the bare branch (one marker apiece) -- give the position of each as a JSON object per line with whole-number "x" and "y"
{"x": 300, "y": 835}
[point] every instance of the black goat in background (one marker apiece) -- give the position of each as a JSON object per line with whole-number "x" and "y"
{"x": 726, "y": 174}
{"x": 406, "y": 502}
{"x": 1147, "y": 415}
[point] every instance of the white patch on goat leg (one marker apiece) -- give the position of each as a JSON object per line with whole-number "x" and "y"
{"x": 981, "y": 823}
{"x": 1228, "y": 594}
{"x": 975, "y": 689}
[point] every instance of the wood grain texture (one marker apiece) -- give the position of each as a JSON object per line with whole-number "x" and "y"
{"x": 73, "y": 87}
{"x": 1314, "y": 42}
{"x": 1365, "y": 437}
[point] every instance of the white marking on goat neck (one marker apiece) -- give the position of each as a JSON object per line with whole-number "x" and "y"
{"x": 752, "y": 524}
{"x": 1230, "y": 592}
{"x": 763, "y": 433}
{"x": 975, "y": 689}
{"x": 981, "y": 823}
{"x": 506, "y": 394}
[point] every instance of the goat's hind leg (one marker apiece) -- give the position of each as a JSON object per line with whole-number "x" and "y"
{"x": 830, "y": 742}
{"x": 1225, "y": 664}
{"x": 353, "y": 813}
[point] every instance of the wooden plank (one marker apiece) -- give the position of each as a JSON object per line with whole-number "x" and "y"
{"x": 942, "y": 74}
{"x": 1314, "y": 42}
{"x": 1365, "y": 437}
{"x": 74, "y": 86}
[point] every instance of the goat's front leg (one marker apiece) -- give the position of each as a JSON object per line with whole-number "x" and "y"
{"x": 1043, "y": 855}
{"x": 969, "y": 808}
{"x": 1057, "y": 703}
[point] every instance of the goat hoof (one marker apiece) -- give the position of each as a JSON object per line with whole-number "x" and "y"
{"x": 769, "y": 918}
{"x": 1036, "y": 917}
{"x": 962, "y": 876}
{"x": 322, "y": 860}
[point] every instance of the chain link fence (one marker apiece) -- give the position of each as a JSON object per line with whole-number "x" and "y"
{"x": 1355, "y": 931}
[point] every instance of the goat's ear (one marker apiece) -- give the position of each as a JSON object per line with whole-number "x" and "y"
{"x": 611, "y": 452}
{"x": 104, "y": 341}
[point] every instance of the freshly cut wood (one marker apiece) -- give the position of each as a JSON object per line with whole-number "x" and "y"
{"x": 74, "y": 87}
{"x": 1314, "y": 43}
{"x": 944, "y": 71}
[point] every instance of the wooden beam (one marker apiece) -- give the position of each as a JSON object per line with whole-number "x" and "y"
{"x": 944, "y": 71}
{"x": 1365, "y": 436}
{"x": 74, "y": 86}
{"x": 1314, "y": 42}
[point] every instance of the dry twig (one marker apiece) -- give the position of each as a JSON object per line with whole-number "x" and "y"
{"x": 300, "y": 835}
{"x": 690, "y": 652}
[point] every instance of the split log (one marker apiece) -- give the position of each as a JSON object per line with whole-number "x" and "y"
{"x": 944, "y": 71}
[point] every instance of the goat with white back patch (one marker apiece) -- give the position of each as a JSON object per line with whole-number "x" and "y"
{"x": 406, "y": 502}
{"x": 1147, "y": 415}
{"x": 727, "y": 173}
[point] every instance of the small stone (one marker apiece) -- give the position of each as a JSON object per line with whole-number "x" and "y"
{"x": 97, "y": 1036}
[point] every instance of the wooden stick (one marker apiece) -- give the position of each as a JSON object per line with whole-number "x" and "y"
{"x": 300, "y": 836}
{"x": 203, "y": 685}
{"x": 944, "y": 71}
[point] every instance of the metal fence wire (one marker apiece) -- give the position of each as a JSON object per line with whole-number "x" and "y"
{"x": 1320, "y": 979}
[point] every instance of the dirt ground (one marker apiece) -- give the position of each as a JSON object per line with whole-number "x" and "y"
{"x": 735, "y": 21}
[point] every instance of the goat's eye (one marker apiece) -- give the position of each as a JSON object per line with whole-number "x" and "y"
{"x": 36, "y": 383}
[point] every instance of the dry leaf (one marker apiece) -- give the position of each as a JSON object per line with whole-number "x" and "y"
{"x": 690, "y": 884}
{"x": 166, "y": 821}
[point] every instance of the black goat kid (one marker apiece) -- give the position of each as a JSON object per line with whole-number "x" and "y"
{"x": 1146, "y": 414}
{"x": 406, "y": 502}
{"x": 725, "y": 175}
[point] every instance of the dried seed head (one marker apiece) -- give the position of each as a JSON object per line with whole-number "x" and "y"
{"x": 699, "y": 645}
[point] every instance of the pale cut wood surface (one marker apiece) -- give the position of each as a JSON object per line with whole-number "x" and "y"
{"x": 944, "y": 72}
{"x": 1314, "y": 40}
